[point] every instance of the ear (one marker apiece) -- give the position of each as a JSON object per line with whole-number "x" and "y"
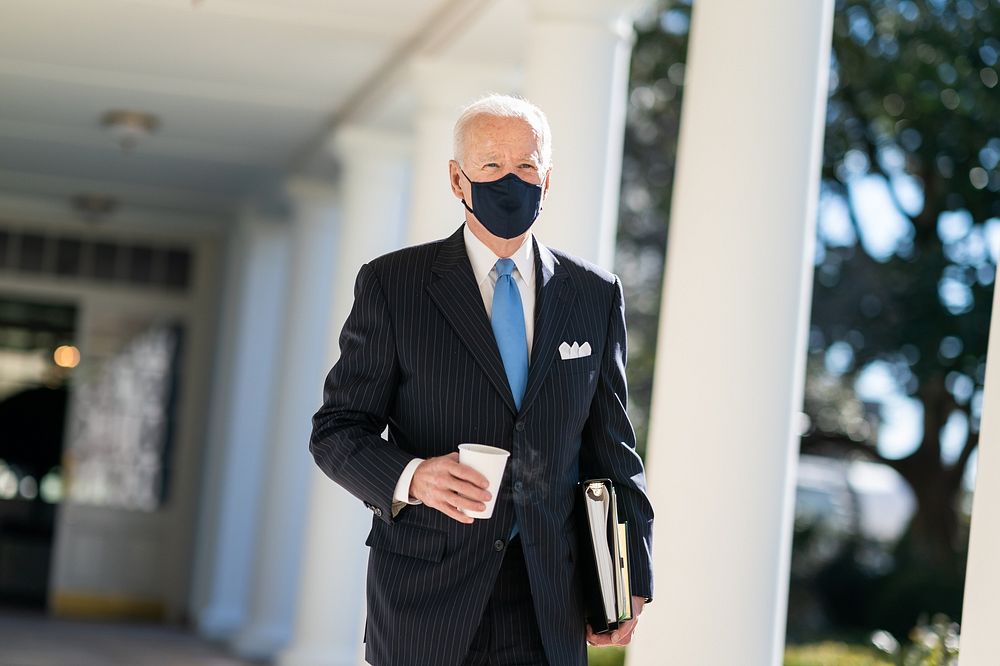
{"x": 545, "y": 183}
{"x": 456, "y": 178}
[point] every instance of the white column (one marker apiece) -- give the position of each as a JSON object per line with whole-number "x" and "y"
{"x": 242, "y": 393}
{"x": 443, "y": 88}
{"x": 981, "y": 609}
{"x": 576, "y": 70}
{"x": 331, "y": 606}
{"x": 730, "y": 363}
{"x": 283, "y": 496}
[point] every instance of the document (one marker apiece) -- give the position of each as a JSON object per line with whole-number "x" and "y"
{"x": 604, "y": 561}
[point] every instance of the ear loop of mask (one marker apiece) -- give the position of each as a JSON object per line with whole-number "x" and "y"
{"x": 463, "y": 198}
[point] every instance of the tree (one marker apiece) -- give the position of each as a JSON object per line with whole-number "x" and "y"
{"x": 914, "y": 112}
{"x": 655, "y": 89}
{"x": 914, "y": 109}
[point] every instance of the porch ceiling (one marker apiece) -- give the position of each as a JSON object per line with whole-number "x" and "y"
{"x": 244, "y": 88}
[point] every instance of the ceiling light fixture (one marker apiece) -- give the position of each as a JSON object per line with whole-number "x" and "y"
{"x": 128, "y": 127}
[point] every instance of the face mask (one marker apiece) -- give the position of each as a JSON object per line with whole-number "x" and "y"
{"x": 506, "y": 206}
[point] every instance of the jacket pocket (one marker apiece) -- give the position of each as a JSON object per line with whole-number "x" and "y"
{"x": 425, "y": 543}
{"x": 576, "y": 366}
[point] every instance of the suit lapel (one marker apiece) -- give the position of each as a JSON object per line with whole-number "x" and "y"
{"x": 457, "y": 295}
{"x": 553, "y": 304}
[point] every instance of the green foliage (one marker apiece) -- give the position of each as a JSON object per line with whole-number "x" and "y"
{"x": 913, "y": 115}
{"x": 651, "y": 130}
{"x": 605, "y": 656}
{"x": 833, "y": 654}
{"x": 933, "y": 643}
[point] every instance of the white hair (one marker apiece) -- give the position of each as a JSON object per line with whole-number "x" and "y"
{"x": 505, "y": 106}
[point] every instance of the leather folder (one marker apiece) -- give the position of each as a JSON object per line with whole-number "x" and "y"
{"x": 603, "y": 558}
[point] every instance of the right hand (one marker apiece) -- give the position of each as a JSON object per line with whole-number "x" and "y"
{"x": 447, "y": 485}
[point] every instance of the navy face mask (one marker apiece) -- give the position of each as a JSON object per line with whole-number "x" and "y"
{"x": 506, "y": 206}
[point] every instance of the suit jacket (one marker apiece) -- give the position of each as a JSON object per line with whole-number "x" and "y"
{"x": 418, "y": 354}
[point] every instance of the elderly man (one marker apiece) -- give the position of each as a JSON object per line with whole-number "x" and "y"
{"x": 457, "y": 341}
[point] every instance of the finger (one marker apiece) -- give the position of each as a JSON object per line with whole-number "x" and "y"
{"x": 469, "y": 474}
{"x": 464, "y": 503}
{"x": 455, "y": 501}
{"x": 625, "y": 632}
{"x": 597, "y": 639}
{"x": 467, "y": 489}
{"x": 452, "y": 512}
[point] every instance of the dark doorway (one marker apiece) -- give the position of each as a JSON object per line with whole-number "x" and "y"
{"x": 37, "y": 356}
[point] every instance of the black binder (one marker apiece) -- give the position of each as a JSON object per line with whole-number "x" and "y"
{"x": 603, "y": 556}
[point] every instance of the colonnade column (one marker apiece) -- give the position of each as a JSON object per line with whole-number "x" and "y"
{"x": 331, "y": 605}
{"x": 576, "y": 70}
{"x": 242, "y": 394}
{"x": 730, "y": 364}
{"x": 274, "y": 582}
{"x": 981, "y": 610}
{"x": 443, "y": 88}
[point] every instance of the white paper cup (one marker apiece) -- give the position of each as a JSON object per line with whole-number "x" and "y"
{"x": 488, "y": 461}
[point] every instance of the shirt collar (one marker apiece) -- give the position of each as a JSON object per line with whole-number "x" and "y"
{"x": 483, "y": 259}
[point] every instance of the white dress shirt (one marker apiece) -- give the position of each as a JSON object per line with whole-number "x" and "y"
{"x": 483, "y": 261}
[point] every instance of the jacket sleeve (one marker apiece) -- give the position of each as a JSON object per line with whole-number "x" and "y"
{"x": 358, "y": 393}
{"x": 608, "y": 449}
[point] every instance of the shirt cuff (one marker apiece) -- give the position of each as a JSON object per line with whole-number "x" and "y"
{"x": 402, "y": 492}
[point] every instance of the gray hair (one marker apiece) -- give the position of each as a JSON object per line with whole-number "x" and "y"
{"x": 505, "y": 106}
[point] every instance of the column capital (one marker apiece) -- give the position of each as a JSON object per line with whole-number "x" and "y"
{"x": 447, "y": 85}
{"x": 304, "y": 189}
{"x": 602, "y": 11}
{"x": 309, "y": 198}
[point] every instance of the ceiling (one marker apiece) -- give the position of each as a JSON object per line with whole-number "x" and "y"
{"x": 245, "y": 89}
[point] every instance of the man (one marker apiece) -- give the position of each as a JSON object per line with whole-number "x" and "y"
{"x": 459, "y": 340}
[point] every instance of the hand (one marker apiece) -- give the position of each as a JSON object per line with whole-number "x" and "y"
{"x": 445, "y": 484}
{"x": 623, "y": 634}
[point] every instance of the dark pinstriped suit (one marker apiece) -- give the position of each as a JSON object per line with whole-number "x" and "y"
{"x": 418, "y": 354}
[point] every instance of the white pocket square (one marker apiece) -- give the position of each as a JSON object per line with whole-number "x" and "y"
{"x": 576, "y": 350}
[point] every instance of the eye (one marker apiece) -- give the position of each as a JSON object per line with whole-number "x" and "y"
{"x": 491, "y": 164}
{"x": 527, "y": 166}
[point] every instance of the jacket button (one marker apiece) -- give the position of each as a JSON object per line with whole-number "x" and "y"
{"x": 519, "y": 426}
{"x": 498, "y": 545}
{"x": 518, "y": 485}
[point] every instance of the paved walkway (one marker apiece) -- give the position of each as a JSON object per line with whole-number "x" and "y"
{"x": 29, "y": 638}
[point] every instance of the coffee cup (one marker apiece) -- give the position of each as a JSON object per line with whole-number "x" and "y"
{"x": 489, "y": 461}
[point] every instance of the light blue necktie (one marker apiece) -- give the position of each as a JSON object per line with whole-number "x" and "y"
{"x": 508, "y": 328}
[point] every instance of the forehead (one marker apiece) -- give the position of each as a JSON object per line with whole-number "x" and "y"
{"x": 485, "y": 134}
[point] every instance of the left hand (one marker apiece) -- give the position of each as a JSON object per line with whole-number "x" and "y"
{"x": 623, "y": 634}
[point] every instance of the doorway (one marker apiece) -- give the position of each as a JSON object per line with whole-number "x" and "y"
{"x": 37, "y": 356}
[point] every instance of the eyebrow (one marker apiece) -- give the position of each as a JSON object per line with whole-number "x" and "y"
{"x": 492, "y": 157}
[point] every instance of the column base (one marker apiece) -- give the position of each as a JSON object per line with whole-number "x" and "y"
{"x": 320, "y": 656}
{"x": 218, "y": 622}
{"x": 260, "y": 641}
